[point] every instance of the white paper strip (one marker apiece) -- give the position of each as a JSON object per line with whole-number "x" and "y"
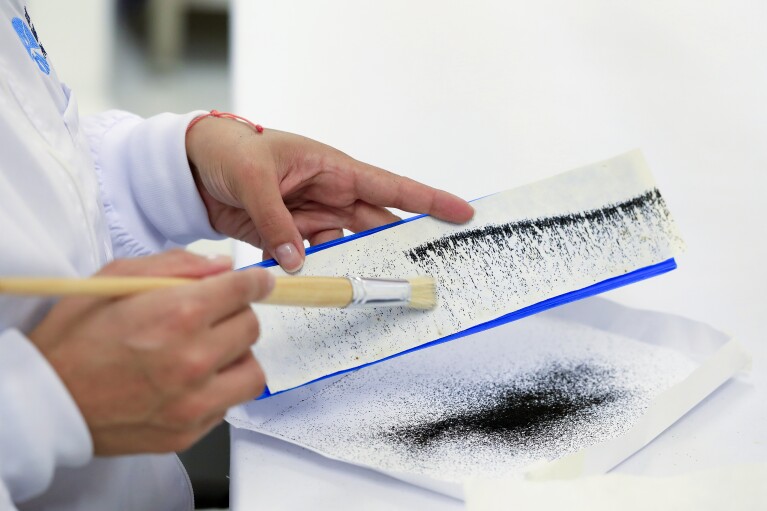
{"x": 660, "y": 414}
{"x": 523, "y": 246}
{"x": 593, "y": 373}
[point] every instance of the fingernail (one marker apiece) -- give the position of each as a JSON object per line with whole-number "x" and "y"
{"x": 289, "y": 258}
{"x": 220, "y": 260}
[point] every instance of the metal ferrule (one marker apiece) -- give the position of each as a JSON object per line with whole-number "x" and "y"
{"x": 379, "y": 292}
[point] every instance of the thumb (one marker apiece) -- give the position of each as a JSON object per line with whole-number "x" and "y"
{"x": 275, "y": 225}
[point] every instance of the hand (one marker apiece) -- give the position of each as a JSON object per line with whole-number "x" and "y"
{"x": 275, "y": 189}
{"x": 153, "y": 372}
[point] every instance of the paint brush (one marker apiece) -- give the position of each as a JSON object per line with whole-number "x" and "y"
{"x": 417, "y": 292}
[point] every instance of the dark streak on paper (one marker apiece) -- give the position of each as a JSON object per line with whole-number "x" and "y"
{"x": 644, "y": 207}
{"x": 539, "y": 254}
{"x": 532, "y": 409}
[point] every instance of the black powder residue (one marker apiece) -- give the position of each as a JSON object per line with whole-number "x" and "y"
{"x": 533, "y": 257}
{"x": 643, "y": 207}
{"x": 538, "y": 407}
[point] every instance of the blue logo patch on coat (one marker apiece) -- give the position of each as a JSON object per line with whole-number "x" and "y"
{"x": 31, "y": 43}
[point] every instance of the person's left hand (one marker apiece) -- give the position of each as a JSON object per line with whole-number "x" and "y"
{"x": 276, "y": 189}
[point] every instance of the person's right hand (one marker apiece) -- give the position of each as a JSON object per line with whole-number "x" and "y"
{"x": 153, "y": 372}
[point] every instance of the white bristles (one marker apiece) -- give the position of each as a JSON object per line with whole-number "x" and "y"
{"x": 423, "y": 292}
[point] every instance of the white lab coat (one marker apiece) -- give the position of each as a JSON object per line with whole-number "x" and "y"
{"x": 73, "y": 192}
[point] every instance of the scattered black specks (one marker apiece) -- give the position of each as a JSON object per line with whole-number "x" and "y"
{"x": 489, "y": 404}
{"x": 534, "y": 408}
{"x": 482, "y": 272}
{"x": 557, "y": 229}
{"x": 544, "y": 256}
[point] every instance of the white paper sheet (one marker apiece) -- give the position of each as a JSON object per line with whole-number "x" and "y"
{"x": 524, "y": 246}
{"x": 635, "y": 363}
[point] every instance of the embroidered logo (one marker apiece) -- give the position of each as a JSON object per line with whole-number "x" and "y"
{"x": 28, "y": 35}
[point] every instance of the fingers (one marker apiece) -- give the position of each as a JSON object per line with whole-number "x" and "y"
{"x": 263, "y": 202}
{"x": 221, "y": 296}
{"x": 181, "y": 423}
{"x": 178, "y": 424}
{"x": 367, "y": 216}
{"x": 197, "y": 353}
{"x": 242, "y": 381}
{"x": 360, "y": 216}
{"x": 188, "y": 311}
{"x": 231, "y": 338}
{"x": 173, "y": 263}
{"x": 383, "y": 188}
{"x": 324, "y": 236}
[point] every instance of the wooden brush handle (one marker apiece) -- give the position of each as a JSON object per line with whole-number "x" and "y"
{"x": 94, "y": 286}
{"x": 311, "y": 292}
{"x": 300, "y": 291}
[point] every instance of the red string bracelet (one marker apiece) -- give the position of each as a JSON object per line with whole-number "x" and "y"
{"x": 225, "y": 115}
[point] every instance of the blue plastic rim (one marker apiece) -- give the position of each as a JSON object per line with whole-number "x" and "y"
{"x": 571, "y": 296}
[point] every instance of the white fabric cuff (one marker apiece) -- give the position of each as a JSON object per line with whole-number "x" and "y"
{"x": 149, "y": 194}
{"x": 41, "y": 426}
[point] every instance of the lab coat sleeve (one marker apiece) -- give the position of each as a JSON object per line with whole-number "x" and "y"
{"x": 41, "y": 427}
{"x": 6, "y": 504}
{"x": 148, "y": 192}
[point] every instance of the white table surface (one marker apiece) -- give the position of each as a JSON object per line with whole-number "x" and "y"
{"x": 477, "y": 97}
